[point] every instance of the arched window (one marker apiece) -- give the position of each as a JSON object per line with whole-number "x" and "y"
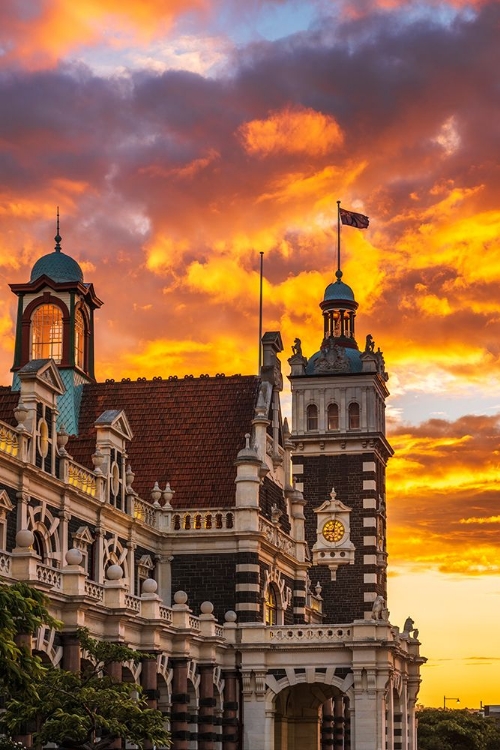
{"x": 333, "y": 416}
{"x": 79, "y": 340}
{"x": 46, "y": 333}
{"x": 354, "y": 416}
{"x": 271, "y": 606}
{"x": 312, "y": 417}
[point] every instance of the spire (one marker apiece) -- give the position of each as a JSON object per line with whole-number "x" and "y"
{"x": 58, "y": 237}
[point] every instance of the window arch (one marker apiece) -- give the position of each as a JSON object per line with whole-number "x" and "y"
{"x": 79, "y": 340}
{"x": 47, "y": 333}
{"x": 312, "y": 417}
{"x": 333, "y": 416}
{"x": 354, "y": 416}
{"x": 271, "y": 606}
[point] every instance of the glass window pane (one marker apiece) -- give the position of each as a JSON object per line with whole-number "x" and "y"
{"x": 46, "y": 333}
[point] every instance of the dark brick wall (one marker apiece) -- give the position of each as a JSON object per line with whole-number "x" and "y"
{"x": 206, "y": 578}
{"x": 343, "y": 599}
{"x": 271, "y": 494}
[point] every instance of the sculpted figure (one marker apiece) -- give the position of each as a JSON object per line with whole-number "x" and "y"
{"x": 370, "y": 343}
{"x": 378, "y": 608}
{"x": 408, "y": 626}
{"x": 297, "y": 347}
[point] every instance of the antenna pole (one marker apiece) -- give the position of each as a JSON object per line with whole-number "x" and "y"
{"x": 260, "y": 307}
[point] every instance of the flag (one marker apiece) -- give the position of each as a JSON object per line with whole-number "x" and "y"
{"x": 360, "y": 221}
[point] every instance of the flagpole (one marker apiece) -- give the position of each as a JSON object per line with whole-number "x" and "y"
{"x": 260, "y": 307}
{"x": 338, "y": 235}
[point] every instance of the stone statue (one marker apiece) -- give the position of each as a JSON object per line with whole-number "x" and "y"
{"x": 408, "y": 626}
{"x": 370, "y": 344}
{"x": 378, "y": 608}
{"x": 297, "y": 347}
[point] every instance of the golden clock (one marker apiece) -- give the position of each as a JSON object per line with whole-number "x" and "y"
{"x": 333, "y": 531}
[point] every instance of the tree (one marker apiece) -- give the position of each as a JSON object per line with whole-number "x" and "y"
{"x": 22, "y": 611}
{"x": 88, "y": 710}
{"x": 448, "y": 729}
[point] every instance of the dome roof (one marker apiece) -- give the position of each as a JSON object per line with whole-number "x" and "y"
{"x": 337, "y": 290}
{"x": 353, "y": 357}
{"x": 57, "y": 266}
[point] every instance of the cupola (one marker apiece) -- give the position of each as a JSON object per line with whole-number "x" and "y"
{"x": 55, "y": 321}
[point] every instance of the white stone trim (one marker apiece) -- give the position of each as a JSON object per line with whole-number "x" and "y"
{"x": 298, "y": 469}
{"x": 369, "y": 521}
{"x": 299, "y": 486}
{"x": 247, "y": 568}
{"x": 369, "y": 466}
{"x": 369, "y": 559}
{"x": 248, "y": 587}
{"x": 247, "y": 607}
{"x": 370, "y": 541}
{"x": 369, "y": 596}
{"x": 369, "y": 484}
{"x": 369, "y": 503}
{"x": 369, "y": 578}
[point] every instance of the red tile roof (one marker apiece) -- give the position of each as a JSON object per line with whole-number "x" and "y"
{"x": 8, "y": 402}
{"x": 187, "y": 432}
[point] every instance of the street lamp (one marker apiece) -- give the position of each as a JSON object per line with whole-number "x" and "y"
{"x": 449, "y": 699}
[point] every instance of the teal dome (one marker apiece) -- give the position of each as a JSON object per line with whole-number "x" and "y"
{"x": 57, "y": 266}
{"x": 353, "y": 356}
{"x": 337, "y": 290}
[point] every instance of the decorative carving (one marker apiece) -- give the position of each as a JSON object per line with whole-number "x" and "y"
{"x": 332, "y": 358}
{"x": 379, "y": 611}
{"x": 370, "y": 344}
{"x": 297, "y": 348}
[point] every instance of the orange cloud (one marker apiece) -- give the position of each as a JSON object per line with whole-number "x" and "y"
{"x": 291, "y": 131}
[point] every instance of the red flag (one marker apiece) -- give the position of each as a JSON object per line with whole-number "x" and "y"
{"x": 360, "y": 221}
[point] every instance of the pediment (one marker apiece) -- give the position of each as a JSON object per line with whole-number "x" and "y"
{"x": 45, "y": 372}
{"x": 116, "y": 421}
{"x": 83, "y": 534}
{"x": 6, "y": 504}
{"x": 333, "y": 505}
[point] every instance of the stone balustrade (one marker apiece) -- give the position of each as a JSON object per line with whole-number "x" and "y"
{"x": 50, "y": 576}
{"x": 9, "y": 440}
{"x": 81, "y": 478}
{"x": 276, "y": 536}
{"x": 5, "y": 563}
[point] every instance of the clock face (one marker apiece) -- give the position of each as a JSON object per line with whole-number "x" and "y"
{"x": 333, "y": 531}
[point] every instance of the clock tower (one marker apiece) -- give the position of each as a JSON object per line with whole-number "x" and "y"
{"x": 340, "y": 458}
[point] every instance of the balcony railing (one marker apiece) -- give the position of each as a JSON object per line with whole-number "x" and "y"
{"x": 9, "y": 440}
{"x": 81, "y": 478}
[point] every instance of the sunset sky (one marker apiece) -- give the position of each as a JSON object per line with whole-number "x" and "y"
{"x": 180, "y": 138}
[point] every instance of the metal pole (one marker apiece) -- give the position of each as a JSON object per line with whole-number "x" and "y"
{"x": 338, "y": 235}
{"x": 260, "y": 308}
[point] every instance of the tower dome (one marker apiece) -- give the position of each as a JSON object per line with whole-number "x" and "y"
{"x": 337, "y": 290}
{"x": 57, "y": 265}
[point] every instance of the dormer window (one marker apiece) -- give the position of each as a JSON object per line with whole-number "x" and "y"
{"x": 333, "y": 416}
{"x": 47, "y": 333}
{"x": 312, "y": 417}
{"x": 354, "y": 416}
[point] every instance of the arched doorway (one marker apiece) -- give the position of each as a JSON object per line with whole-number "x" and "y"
{"x": 312, "y": 716}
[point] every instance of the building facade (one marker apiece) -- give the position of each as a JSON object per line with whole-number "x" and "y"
{"x": 183, "y": 517}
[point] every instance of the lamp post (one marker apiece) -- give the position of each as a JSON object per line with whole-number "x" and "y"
{"x": 449, "y": 699}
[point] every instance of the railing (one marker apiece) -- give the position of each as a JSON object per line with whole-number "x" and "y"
{"x": 275, "y": 536}
{"x": 312, "y": 633}
{"x": 81, "y": 478}
{"x": 194, "y": 623}
{"x": 144, "y": 512}
{"x": 48, "y": 575}
{"x": 203, "y": 520}
{"x": 133, "y": 602}
{"x": 5, "y": 563}
{"x": 219, "y": 631}
{"x": 166, "y": 613}
{"x": 94, "y": 590}
{"x": 9, "y": 440}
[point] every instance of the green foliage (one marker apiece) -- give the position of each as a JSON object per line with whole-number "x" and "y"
{"x": 88, "y": 710}
{"x": 440, "y": 729}
{"x": 22, "y": 611}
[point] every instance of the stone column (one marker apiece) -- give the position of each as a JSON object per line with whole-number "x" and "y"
{"x": 115, "y": 671}
{"x": 327, "y": 726}
{"x": 390, "y": 718}
{"x": 71, "y": 652}
{"x": 149, "y": 680}
{"x": 206, "y": 737}
{"x": 230, "y": 723}
{"x": 338, "y": 720}
{"x": 180, "y": 701}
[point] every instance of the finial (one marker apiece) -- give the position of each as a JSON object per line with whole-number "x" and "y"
{"x": 339, "y": 275}
{"x": 58, "y": 237}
